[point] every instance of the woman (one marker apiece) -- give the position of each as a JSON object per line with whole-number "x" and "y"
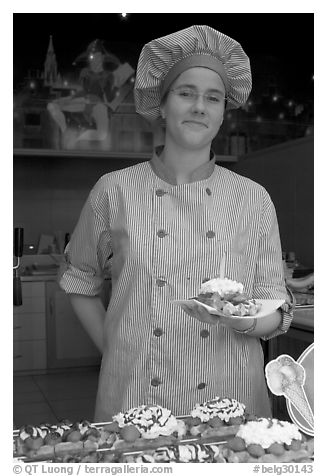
{"x": 163, "y": 226}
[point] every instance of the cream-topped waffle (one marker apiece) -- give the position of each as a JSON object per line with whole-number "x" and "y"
{"x": 151, "y": 421}
{"x": 224, "y": 408}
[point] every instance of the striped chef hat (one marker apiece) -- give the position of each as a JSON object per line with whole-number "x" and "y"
{"x": 162, "y": 60}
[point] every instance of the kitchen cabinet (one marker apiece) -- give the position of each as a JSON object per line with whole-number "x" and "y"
{"x": 293, "y": 343}
{"x": 29, "y": 329}
{"x": 68, "y": 343}
{"x": 47, "y": 334}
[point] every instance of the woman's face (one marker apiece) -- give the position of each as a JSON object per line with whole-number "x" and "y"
{"x": 194, "y": 108}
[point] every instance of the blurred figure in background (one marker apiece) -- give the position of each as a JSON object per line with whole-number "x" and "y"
{"x": 97, "y": 90}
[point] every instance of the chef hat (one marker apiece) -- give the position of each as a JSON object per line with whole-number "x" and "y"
{"x": 162, "y": 60}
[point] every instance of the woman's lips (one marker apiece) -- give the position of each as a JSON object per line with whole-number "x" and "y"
{"x": 195, "y": 124}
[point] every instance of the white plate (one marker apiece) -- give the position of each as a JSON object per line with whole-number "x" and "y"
{"x": 268, "y": 306}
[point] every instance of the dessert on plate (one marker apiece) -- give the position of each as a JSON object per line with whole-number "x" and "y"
{"x": 227, "y": 297}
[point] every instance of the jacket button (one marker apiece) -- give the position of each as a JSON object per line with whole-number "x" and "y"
{"x": 208, "y": 191}
{"x": 158, "y": 332}
{"x": 204, "y": 333}
{"x": 161, "y": 233}
{"x": 155, "y": 382}
{"x": 201, "y": 386}
{"x": 160, "y": 192}
{"x": 160, "y": 283}
{"x": 210, "y": 234}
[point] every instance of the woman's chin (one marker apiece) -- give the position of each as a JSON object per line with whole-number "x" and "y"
{"x": 197, "y": 144}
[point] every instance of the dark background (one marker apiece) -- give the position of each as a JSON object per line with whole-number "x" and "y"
{"x": 279, "y": 43}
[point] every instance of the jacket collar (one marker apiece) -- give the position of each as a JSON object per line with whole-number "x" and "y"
{"x": 167, "y": 175}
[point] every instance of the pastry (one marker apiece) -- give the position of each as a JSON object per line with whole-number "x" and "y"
{"x": 188, "y": 453}
{"x": 227, "y": 297}
{"x": 149, "y": 422}
{"x": 50, "y": 441}
{"x": 267, "y": 440}
{"x": 219, "y": 417}
{"x": 151, "y": 433}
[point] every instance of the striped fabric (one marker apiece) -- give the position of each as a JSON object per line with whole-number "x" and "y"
{"x": 163, "y": 55}
{"x": 164, "y": 239}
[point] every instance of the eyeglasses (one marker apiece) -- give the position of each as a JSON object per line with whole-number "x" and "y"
{"x": 190, "y": 95}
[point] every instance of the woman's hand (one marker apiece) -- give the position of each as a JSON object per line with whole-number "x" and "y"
{"x": 264, "y": 326}
{"x": 201, "y": 314}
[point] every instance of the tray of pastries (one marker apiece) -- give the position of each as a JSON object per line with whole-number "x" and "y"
{"x": 217, "y": 431}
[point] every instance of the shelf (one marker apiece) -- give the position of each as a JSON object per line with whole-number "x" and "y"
{"x": 139, "y": 156}
{"x": 81, "y": 153}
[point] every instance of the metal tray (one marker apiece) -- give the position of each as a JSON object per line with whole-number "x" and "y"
{"x": 212, "y": 440}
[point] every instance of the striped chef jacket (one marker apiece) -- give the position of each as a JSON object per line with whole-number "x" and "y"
{"x": 160, "y": 240}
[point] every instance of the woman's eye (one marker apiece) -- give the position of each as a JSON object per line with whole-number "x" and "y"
{"x": 214, "y": 99}
{"x": 186, "y": 94}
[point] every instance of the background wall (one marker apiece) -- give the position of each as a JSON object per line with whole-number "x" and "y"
{"x": 49, "y": 192}
{"x": 287, "y": 172}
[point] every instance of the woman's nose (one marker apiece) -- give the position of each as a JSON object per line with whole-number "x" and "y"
{"x": 199, "y": 103}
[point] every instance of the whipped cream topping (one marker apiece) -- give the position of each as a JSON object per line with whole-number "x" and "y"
{"x": 193, "y": 452}
{"x": 65, "y": 427}
{"x": 57, "y": 429}
{"x": 223, "y": 287}
{"x": 33, "y": 431}
{"x": 151, "y": 421}
{"x": 224, "y": 408}
{"x": 266, "y": 431}
{"x": 197, "y": 453}
{"x": 42, "y": 430}
{"x": 84, "y": 426}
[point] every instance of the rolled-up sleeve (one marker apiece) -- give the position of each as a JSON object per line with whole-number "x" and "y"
{"x": 269, "y": 280}
{"x": 88, "y": 252}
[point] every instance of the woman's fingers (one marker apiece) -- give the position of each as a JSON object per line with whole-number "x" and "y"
{"x": 205, "y": 316}
{"x": 201, "y": 314}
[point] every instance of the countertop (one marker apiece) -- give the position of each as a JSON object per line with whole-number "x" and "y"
{"x": 303, "y": 318}
{"x": 41, "y": 277}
